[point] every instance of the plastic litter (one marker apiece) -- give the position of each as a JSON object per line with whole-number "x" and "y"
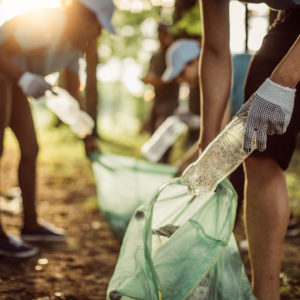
{"x": 66, "y": 107}
{"x": 124, "y": 183}
{"x": 183, "y": 248}
{"x": 222, "y": 156}
{"x": 180, "y": 245}
{"x": 163, "y": 138}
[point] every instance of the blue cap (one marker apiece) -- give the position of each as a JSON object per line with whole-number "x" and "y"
{"x": 179, "y": 54}
{"x": 104, "y": 10}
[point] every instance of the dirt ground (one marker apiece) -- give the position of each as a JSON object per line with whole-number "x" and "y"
{"x": 81, "y": 267}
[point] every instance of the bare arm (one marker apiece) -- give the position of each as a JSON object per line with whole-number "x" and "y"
{"x": 153, "y": 79}
{"x": 277, "y": 93}
{"x": 287, "y": 73}
{"x": 71, "y": 82}
{"x": 7, "y": 48}
{"x": 215, "y": 68}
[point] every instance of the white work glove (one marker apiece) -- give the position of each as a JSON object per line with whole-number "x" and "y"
{"x": 33, "y": 85}
{"x": 268, "y": 111}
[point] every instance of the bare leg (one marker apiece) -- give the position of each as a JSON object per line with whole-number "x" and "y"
{"x": 2, "y": 234}
{"x": 5, "y": 108}
{"x": 23, "y": 127}
{"x": 91, "y": 92}
{"x": 267, "y": 215}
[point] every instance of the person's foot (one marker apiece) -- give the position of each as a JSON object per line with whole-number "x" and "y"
{"x": 11, "y": 246}
{"x": 44, "y": 233}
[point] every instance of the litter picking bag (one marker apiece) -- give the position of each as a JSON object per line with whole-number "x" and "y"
{"x": 123, "y": 184}
{"x": 179, "y": 246}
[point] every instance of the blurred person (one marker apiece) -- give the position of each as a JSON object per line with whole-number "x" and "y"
{"x": 182, "y": 62}
{"x": 166, "y": 94}
{"x": 272, "y": 85}
{"x": 32, "y": 46}
{"x": 182, "y": 66}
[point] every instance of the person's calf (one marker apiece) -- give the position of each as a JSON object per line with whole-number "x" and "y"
{"x": 267, "y": 214}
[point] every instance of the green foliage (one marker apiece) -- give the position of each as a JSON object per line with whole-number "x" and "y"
{"x": 116, "y": 101}
{"x": 190, "y": 23}
{"x": 181, "y": 6}
{"x": 129, "y": 38}
{"x": 122, "y": 17}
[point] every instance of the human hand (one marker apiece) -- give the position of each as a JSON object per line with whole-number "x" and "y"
{"x": 33, "y": 85}
{"x": 268, "y": 111}
{"x": 90, "y": 144}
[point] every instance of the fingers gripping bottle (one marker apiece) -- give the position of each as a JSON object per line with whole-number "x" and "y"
{"x": 222, "y": 156}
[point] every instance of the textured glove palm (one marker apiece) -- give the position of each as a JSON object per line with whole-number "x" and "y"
{"x": 33, "y": 85}
{"x": 268, "y": 111}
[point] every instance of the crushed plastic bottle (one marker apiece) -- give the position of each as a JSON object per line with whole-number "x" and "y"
{"x": 164, "y": 137}
{"x": 66, "y": 107}
{"x": 222, "y": 156}
{"x": 201, "y": 291}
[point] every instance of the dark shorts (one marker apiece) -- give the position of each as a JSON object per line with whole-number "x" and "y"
{"x": 280, "y": 38}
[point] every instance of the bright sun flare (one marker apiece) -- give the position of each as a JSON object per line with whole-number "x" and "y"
{"x": 11, "y": 8}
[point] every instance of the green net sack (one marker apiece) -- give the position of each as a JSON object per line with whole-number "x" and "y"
{"x": 123, "y": 184}
{"x": 180, "y": 246}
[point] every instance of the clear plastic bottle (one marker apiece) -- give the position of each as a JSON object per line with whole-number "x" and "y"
{"x": 222, "y": 156}
{"x": 66, "y": 107}
{"x": 164, "y": 137}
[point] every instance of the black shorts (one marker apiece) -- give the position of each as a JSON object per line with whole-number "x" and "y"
{"x": 281, "y": 36}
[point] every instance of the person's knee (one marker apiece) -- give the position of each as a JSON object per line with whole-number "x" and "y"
{"x": 262, "y": 169}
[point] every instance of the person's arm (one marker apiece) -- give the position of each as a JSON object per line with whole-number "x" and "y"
{"x": 269, "y": 110}
{"x": 7, "y": 48}
{"x": 153, "y": 79}
{"x": 287, "y": 72}
{"x": 71, "y": 82}
{"x": 31, "y": 84}
{"x": 215, "y": 68}
{"x": 151, "y": 76}
{"x": 227, "y": 115}
{"x": 189, "y": 157}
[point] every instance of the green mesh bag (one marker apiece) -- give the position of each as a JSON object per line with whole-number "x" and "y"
{"x": 180, "y": 246}
{"x": 124, "y": 183}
